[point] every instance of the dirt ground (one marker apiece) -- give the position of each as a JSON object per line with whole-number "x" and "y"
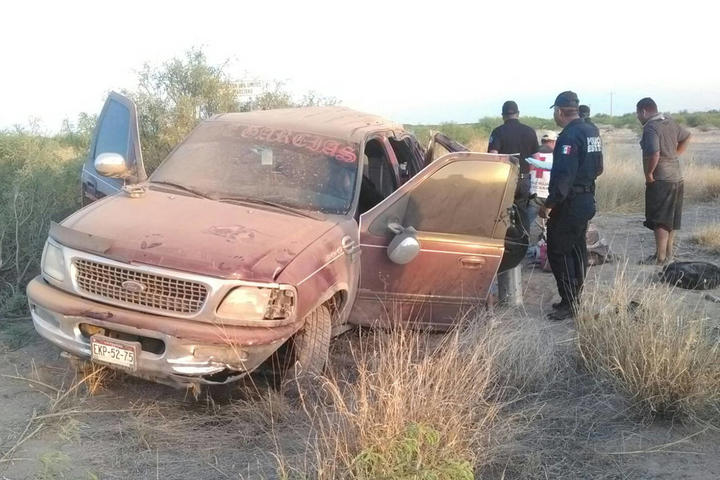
{"x": 133, "y": 429}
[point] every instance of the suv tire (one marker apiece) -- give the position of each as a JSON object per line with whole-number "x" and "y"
{"x": 311, "y": 345}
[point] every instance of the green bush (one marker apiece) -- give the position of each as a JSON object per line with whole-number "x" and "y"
{"x": 39, "y": 183}
{"x": 416, "y": 454}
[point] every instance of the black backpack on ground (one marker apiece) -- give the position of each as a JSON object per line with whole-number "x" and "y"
{"x": 692, "y": 275}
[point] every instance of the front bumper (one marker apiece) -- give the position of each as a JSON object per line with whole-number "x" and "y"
{"x": 193, "y": 352}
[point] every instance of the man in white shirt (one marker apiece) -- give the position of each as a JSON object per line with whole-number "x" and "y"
{"x": 540, "y": 177}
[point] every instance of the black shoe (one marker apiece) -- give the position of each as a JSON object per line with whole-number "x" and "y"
{"x": 560, "y": 304}
{"x": 563, "y": 312}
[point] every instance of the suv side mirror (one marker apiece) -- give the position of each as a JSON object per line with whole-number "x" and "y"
{"x": 405, "y": 246}
{"x": 112, "y": 165}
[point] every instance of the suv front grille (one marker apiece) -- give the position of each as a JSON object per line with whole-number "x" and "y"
{"x": 125, "y": 286}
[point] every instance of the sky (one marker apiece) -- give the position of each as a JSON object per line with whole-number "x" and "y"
{"x": 414, "y": 61}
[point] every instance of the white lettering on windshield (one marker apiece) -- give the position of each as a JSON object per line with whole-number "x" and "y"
{"x": 315, "y": 143}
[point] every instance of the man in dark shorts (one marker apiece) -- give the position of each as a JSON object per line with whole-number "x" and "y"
{"x": 577, "y": 161}
{"x": 663, "y": 140}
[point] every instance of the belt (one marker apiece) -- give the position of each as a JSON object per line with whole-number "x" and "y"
{"x": 583, "y": 188}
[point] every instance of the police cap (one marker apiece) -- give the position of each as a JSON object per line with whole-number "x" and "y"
{"x": 509, "y": 108}
{"x": 566, "y": 99}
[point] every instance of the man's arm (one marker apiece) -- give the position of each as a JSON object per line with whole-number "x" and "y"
{"x": 534, "y": 140}
{"x": 682, "y": 145}
{"x": 650, "y": 163}
{"x": 562, "y": 176}
{"x": 650, "y": 144}
{"x": 494, "y": 142}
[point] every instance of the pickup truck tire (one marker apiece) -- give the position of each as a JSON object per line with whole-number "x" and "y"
{"x": 311, "y": 344}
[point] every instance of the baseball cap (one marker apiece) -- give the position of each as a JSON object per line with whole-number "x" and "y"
{"x": 550, "y": 135}
{"x": 567, "y": 99}
{"x": 509, "y": 108}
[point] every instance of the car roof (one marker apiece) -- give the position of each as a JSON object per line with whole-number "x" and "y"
{"x": 341, "y": 123}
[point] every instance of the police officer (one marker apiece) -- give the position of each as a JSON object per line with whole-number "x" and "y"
{"x": 577, "y": 161}
{"x": 516, "y": 138}
{"x": 585, "y": 114}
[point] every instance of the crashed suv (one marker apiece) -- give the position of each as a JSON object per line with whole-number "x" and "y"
{"x": 263, "y": 229}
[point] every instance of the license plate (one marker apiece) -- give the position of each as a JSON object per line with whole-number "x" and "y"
{"x": 114, "y": 352}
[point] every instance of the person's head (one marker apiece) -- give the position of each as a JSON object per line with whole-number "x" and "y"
{"x": 646, "y": 108}
{"x": 510, "y": 110}
{"x": 565, "y": 108}
{"x": 549, "y": 139}
{"x": 584, "y": 111}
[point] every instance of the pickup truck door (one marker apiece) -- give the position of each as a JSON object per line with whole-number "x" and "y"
{"x": 116, "y": 132}
{"x": 459, "y": 206}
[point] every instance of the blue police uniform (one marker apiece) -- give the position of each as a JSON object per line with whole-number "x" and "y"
{"x": 577, "y": 161}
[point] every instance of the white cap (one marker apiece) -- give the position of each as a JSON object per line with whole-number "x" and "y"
{"x": 550, "y": 135}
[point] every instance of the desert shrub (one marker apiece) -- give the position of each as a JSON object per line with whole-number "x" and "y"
{"x": 416, "y": 406}
{"x": 39, "y": 183}
{"x": 708, "y": 236}
{"x": 475, "y": 135}
{"x": 399, "y": 383}
{"x": 662, "y": 355}
{"x": 174, "y": 96}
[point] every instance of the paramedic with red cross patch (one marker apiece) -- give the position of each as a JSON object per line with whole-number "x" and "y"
{"x": 577, "y": 161}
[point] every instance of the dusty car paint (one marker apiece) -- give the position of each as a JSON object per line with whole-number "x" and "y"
{"x": 324, "y": 259}
{"x": 199, "y": 235}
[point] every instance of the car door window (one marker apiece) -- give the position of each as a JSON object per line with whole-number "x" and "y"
{"x": 379, "y": 179}
{"x": 113, "y": 136}
{"x": 409, "y": 155}
{"x": 461, "y": 198}
{"x": 116, "y": 132}
{"x": 378, "y": 168}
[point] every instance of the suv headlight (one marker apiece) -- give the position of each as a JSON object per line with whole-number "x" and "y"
{"x": 257, "y": 303}
{"x": 53, "y": 262}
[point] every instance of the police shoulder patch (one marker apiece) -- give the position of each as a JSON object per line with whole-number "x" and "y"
{"x": 566, "y": 149}
{"x": 594, "y": 144}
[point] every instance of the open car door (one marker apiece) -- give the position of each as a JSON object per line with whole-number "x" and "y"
{"x": 116, "y": 132}
{"x": 450, "y": 145}
{"x": 458, "y": 205}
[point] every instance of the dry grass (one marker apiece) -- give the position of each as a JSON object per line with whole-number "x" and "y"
{"x": 621, "y": 187}
{"x": 417, "y": 408}
{"x": 708, "y": 237}
{"x": 662, "y": 355}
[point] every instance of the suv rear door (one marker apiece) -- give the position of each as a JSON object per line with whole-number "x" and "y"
{"x": 459, "y": 206}
{"x": 116, "y": 132}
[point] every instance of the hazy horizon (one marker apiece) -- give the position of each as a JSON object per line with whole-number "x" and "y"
{"x": 411, "y": 62}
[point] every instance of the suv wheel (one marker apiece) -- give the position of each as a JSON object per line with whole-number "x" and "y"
{"x": 309, "y": 349}
{"x": 311, "y": 345}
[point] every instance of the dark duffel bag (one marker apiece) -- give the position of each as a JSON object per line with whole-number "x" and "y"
{"x": 692, "y": 275}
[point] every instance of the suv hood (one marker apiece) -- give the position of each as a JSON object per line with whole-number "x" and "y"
{"x": 198, "y": 235}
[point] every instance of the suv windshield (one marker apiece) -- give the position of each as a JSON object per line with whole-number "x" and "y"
{"x": 226, "y": 161}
